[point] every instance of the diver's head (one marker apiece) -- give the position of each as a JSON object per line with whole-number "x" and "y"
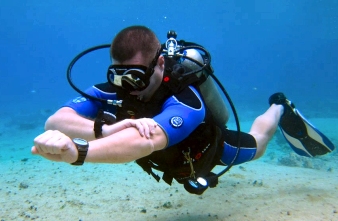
{"x": 132, "y": 40}
{"x": 137, "y": 64}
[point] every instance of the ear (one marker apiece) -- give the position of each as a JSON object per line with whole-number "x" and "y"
{"x": 160, "y": 62}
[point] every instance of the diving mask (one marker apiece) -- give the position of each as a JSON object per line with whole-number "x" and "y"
{"x": 132, "y": 77}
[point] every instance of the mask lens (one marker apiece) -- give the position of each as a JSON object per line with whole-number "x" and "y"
{"x": 131, "y": 77}
{"x": 132, "y": 82}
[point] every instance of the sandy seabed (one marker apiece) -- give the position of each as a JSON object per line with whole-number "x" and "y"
{"x": 279, "y": 186}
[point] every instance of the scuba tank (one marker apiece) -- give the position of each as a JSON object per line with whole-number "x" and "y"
{"x": 210, "y": 94}
{"x": 214, "y": 102}
{"x": 197, "y": 59}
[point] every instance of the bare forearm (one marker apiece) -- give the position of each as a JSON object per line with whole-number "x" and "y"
{"x": 124, "y": 146}
{"x": 70, "y": 123}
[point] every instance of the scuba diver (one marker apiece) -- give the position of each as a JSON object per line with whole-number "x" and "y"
{"x": 160, "y": 106}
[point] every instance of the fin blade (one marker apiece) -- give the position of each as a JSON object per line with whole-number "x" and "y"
{"x": 316, "y": 135}
{"x": 311, "y": 143}
{"x": 296, "y": 145}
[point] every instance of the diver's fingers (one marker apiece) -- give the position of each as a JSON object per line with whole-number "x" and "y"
{"x": 48, "y": 156}
{"x": 55, "y": 146}
{"x": 149, "y": 126}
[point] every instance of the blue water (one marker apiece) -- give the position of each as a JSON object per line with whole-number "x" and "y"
{"x": 258, "y": 47}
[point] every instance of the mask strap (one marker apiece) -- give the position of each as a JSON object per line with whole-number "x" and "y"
{"x": 150, "y": 69}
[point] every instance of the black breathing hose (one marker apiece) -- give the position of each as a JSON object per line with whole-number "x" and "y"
{"x": 69, "y": 70}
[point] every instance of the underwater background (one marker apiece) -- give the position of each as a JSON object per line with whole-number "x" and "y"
{"x": 258, "y": 48}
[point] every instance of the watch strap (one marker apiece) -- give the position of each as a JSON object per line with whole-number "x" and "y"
{"x": 81, "y": 157}
{"x": 82, "y": 149}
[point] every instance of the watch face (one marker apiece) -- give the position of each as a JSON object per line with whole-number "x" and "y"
{"x": 80, "y": 141}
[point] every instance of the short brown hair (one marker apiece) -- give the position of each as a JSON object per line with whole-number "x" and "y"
{"x": 134, "y": 39}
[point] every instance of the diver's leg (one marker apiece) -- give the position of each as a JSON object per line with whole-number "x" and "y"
{"x": 264, "y": 127}
{"x": 231, "y": 153}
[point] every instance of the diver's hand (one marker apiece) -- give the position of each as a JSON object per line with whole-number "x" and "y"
{"x": 145, "y": 126}
{"x": 56, "y": 146}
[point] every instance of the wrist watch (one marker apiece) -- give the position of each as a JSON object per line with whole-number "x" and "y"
{"x": 82, "y": 148}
